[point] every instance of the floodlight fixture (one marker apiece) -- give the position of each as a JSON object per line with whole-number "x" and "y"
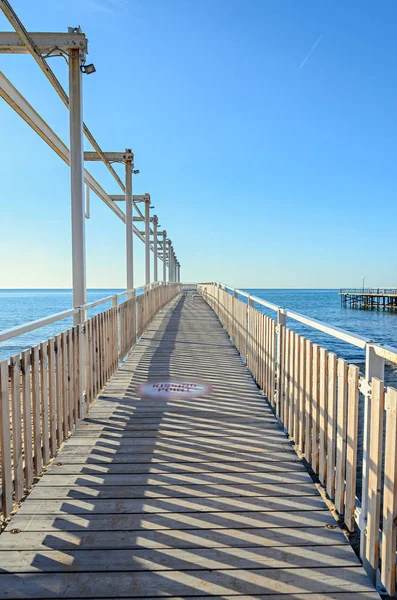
{"x": 88, "y": 69}
{"x": 136, "y": 171}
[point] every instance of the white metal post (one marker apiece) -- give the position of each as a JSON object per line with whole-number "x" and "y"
{"x": 129, "y": 223}
{"x": 77, "y": 182}
{"x": 173, "y": 263}
{"x": 155, "y": 224}
{"x": 164, "y": 256}
{"x": 169, "y": 261}
{"x": 374, "y": 367}
{"x": 147, "y": 241}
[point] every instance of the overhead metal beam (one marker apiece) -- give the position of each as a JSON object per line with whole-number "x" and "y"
{"x": 112, "y": 156}
{"x": 142, "y": 197}
{"x": 56, "y": 43}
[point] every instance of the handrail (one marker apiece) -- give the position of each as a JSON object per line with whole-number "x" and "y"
{"x": 387, "y": 352}
{"x": 7, "y": 334}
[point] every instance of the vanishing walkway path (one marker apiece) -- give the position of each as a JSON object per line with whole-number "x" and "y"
{"x": 181, "y": 498}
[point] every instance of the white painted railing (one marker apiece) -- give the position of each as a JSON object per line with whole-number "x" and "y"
{"x": 315, "y": 395}
{"x": 47, "y": 388}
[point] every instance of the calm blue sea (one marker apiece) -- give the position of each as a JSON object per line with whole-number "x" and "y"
{"x": 19, "y": 306}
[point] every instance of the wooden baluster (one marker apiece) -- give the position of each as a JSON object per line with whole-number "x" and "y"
{"x": 5, "y": 442}
{"x": 351, "y": 446}
{"x": 341, "y": 434}
{"x": 27, "y": 419}
{"x": 331, "y": 424}
{"x": 323, "y": 399}
{"x": 15, "y": 372}
{"x": 388, "y": 572}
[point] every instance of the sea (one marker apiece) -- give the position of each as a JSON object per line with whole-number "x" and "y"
{"x": 18, "y": 306}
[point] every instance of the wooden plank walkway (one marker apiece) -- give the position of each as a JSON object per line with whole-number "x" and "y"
{"x": 184, "y": 498}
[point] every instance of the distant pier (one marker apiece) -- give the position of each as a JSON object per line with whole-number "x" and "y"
{"x": 371, "y": 298}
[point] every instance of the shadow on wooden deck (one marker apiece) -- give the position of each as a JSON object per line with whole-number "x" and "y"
{"x": 179, "y": 498}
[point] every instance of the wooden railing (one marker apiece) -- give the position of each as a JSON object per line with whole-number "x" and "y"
{"x": 46, "y": 389}
{"x": 315, "y": 396}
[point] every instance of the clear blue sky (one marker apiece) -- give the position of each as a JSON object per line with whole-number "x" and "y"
{"x": 269, "y": 165}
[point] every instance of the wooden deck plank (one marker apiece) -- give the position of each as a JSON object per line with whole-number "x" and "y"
{"x": 172, "y": 468}
{"x": 170, "y": 491}
{"x": 106, "y": 455}
{"x": 199, "y": 497}
{"x": 177, "y": 559}
{"x": 167, "y": 479}
{"x": 172, "y": 520}
{"x": 174, "y": 538}
{"x": 192, "y": 504}
{"x": 184, "y": 583}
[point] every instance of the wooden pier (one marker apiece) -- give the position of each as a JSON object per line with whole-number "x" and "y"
{"x": 375, "y": 298}
{"x": 179, "y": 498}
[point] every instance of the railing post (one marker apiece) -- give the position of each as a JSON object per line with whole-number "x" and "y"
{"x": 281, "y": 323}
{"x": 250, "y": 302}
{"x": 374, "y": 367}
{"x": 82, "y": 364}
{"x": 235, "y": 297}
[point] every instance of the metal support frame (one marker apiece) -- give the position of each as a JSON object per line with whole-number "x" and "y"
{"x": 74, "y": 44}
{"x": 155, "y": 248}
{"x": 147, "y": 240}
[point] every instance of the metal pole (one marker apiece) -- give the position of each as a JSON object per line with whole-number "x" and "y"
{"x": 169, "y": 261}
{"x": 129, "y": 224}
{"x": 77, "y": 183}
{"x": 164, "y": 256}
{"x": 155, "y": 223}
{"x": 147, "y": 241}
